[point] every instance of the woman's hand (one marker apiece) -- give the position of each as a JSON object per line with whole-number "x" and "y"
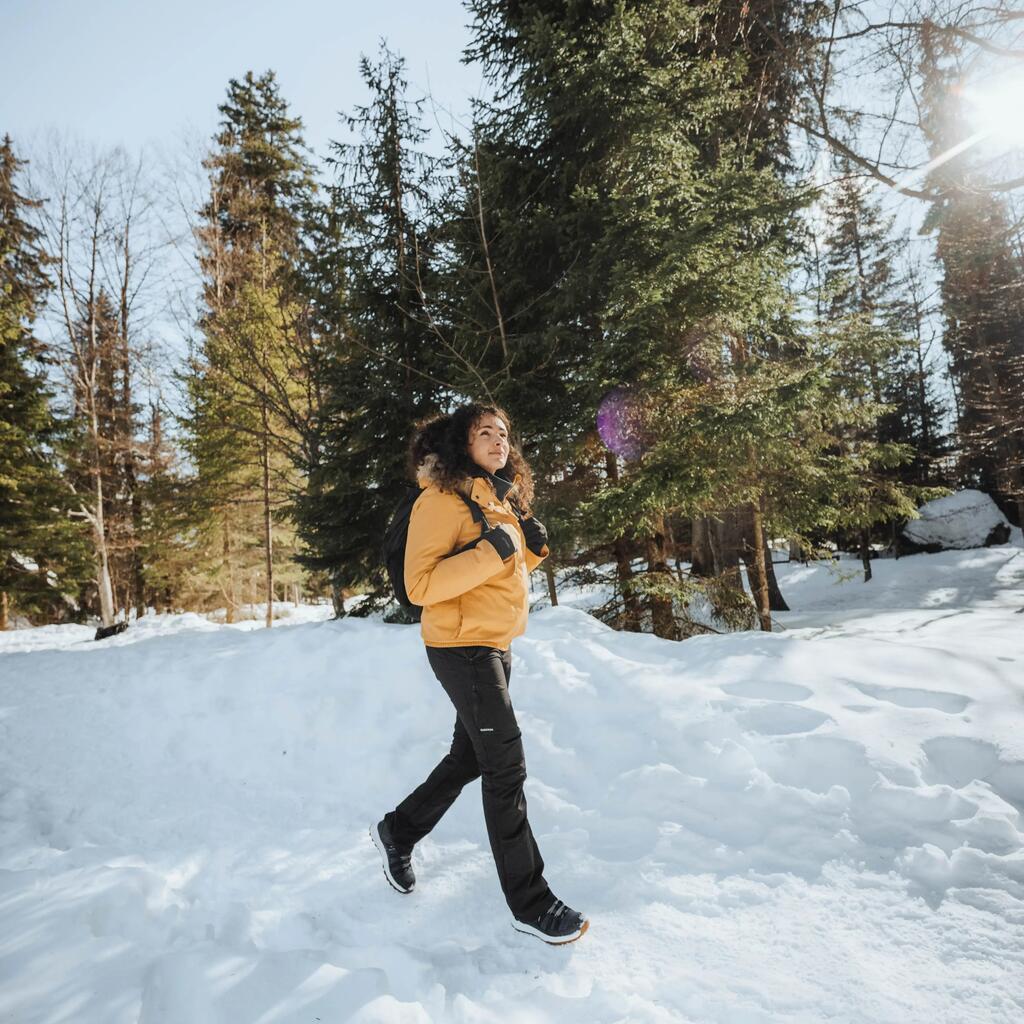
{"x": 535, "y": 533}
{"x": 504, "y": 538}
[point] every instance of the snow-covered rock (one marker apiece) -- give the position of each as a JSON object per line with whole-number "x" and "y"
{"x": 966, "y": 519}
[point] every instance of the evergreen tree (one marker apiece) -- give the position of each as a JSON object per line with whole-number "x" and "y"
{"x": 382, "y": 374}
{"x": 919, "y": 406}
{"x": 163, "y": 529}
{"x": 982, "y": 291}
{"x": 42, "y": 553}
{"x": 865, "y": 312}
{"x": 637, "y": 222}
{"x": 320, "y": 288}
{"x": 249, "y": 373}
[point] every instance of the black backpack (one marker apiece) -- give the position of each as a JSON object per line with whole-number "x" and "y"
{"x": 396, "y": 535}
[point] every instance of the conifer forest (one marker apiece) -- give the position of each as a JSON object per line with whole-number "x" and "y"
{"x": 747, "y": 277}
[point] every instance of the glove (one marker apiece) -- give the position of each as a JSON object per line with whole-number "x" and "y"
{"x": 535, "y": 533}
{"x": 503, "y": 538}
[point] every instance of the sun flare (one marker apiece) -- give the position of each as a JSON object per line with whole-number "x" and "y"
{"x": 998, "y": 109}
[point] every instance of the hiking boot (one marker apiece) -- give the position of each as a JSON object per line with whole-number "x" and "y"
{"x": 397, "y": 863}
{"x": 558, "y": 924}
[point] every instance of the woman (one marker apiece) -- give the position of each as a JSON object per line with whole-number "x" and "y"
{"x": 471, "y": 579}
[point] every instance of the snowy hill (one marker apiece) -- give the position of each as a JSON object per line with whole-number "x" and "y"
{"x": 820, "y": 824}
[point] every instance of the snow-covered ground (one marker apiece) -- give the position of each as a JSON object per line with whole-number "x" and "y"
{"x": 821, "y": 824}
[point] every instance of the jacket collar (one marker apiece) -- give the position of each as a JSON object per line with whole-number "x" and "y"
{"x": 498, "y": 481}
{"x": 480, "y": 486}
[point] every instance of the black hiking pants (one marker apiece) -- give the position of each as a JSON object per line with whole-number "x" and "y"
{"x": 486, "y": 744}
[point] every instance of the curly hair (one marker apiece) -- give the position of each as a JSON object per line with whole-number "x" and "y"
{"x": 447, "y": 437}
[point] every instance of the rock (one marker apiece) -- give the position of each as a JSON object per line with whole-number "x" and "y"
{"x": 103, "y": 632}
{"x": 966, "y": 519}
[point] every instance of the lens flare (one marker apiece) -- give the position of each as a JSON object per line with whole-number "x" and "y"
{"x": 996, "y": 108}
{"x": 621, "y": 423}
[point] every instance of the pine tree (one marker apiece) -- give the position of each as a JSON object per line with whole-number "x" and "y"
{"x": 637, "y": 223}
{"x": 865, "y": 312}
{"x": 382, "y": 375}
{"x": 321, "y": 284}
{"x": 249, "y": 374}
{"x": 162, "y": 532}
{"x": 982, "y": 291}
{"x": 42, "y": 553}
{"x": 919, "y": 404}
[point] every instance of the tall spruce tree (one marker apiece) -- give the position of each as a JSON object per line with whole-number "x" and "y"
{"x": 383, "y": 374}
{"x": 637, "y": 227}
{"x": 42, "y": 551}
{"x": 164, "y": 525}
{"x": 865, "y": 308}
{"x": 920, "y": 408}
{"x": 982, "y": 289}
{"x": 248, "y": 372}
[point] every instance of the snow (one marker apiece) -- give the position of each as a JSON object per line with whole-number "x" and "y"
{"x": 822, "y": 823}
{"x": 961, "y": 520}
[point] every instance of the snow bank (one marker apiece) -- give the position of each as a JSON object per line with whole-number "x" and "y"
{"x": 819, "y": 824}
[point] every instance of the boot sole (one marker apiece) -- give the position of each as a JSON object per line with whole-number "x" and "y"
{"x": 384, "y": 860}
{"x": 562, "y": 940}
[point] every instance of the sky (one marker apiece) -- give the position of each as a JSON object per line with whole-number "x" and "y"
{"x": 114, "y": 72}
{"x": 150, "y": 76}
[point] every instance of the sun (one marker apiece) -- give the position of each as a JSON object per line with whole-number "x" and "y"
{"x": 998, "y": 109}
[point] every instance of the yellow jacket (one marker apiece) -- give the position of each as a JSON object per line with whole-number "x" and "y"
{"x": 474, "y": 597}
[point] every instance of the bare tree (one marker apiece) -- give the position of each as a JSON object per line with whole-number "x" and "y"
{"x": 98, "y": 220}
{"x": 862, "y": 84}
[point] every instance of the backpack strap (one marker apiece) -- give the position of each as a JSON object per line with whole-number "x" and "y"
{"x": 475, "y": 511}
{"x": 478, "y": 517}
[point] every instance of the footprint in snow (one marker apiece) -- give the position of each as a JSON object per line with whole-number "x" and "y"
{"x": 959, "y": 760}
{"x": 909, "y": 697}
{"x": 767, "y": 689}
{"x": 780, "y": 719}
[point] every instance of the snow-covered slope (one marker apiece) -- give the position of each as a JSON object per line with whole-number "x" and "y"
{"x": 821, "y": 824}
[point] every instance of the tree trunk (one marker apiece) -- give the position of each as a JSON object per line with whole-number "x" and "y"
{"x": 865, "y": 553}
{"x": 99, "y": 529}
{"x": 232, "y": 600}
{"x": 106, "y": 591}
{"x": 776, "y": 602}
{"x": 136, "y": 585}
{"x": 672, "y": 549}
{"x": 3, "y": 609}
{"x": 138, "y": 575}
{"x": 760, "y": 583}
{"x": 755, "y": 567}
{"x": 718, "y": 544}
{"x": 662, "y": 617}
{"x": 338, "y": 599}
{"x": 549, "y": 575}
{"x": 633, "y": 608}
{"x": 268, "y": 537}
{"x": 624, "y": 571}
{"x": 702, "y": 554}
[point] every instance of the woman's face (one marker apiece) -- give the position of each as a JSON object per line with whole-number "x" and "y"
{"x": 488, "y": 443}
